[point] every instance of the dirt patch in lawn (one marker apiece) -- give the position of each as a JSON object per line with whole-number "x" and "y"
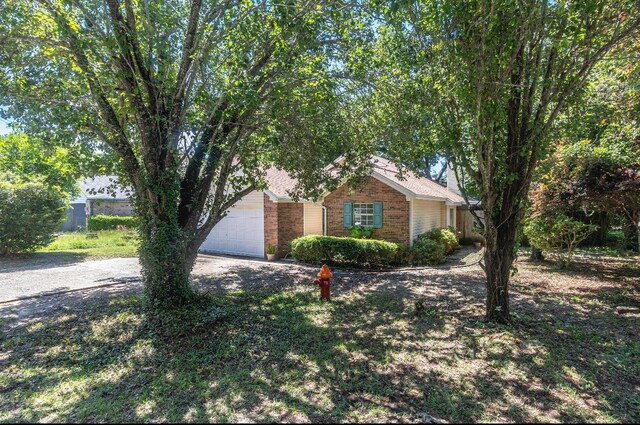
{"x": 389, "y": 347}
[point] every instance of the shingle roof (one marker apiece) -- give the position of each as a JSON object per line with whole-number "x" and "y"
{"x": 279, "y": 182}
{"x": 102, "y": 187}
{"x": 419, "y": 186}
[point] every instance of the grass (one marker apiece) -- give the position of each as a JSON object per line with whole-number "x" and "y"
{"x": 109, "y": 243}
{"x": 366, "y": 356}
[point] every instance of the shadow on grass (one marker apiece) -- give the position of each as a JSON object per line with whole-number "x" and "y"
{"x": 275, "y": 353}
{"x": 39, "y": 260}
{"x": 612, "y": 280}
{"x": 259, "y": 357}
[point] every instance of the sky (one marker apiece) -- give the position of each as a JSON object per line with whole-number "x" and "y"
{"x": 3, "y": 127}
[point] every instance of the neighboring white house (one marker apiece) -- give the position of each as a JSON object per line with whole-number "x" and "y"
{"x": 98, "y": 195}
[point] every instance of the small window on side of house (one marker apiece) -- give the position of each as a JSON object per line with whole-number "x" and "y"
{"x": 363, "y": 215}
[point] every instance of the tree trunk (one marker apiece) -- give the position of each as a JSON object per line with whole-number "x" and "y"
{"x": 498, "y": 260}
{"x": 536, "y": 254}
{"x": 166, "y": 266}
{"x": 632, "y": 232}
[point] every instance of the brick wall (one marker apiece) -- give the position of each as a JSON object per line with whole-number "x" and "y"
{"x": 290, "y": 224}
{"x": 395, "y": 209}
{"x": 270, "y": 223}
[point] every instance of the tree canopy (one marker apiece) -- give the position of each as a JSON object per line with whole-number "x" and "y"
{"x": 195, "y": 98}
{"x": 493, "y": 77}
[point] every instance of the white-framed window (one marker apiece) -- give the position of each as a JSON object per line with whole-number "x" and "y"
{"x": 452, "y": 217}
{"x": 363, "y": 215}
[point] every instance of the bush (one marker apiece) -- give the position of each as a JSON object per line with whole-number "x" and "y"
{"x": 426, "y": 251}
{"x": 446, "y": 237}
{"x": 351, "y": 251}
{"x": 361, "y": 232}
{"x": 30, "y": 214}
{"x": 110, "y": 222}
{"x": 559, "y": 235}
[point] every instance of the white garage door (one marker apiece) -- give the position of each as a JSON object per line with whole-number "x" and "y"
{"x": 241, "y": 232}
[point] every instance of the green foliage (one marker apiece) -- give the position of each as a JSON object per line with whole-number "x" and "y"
{"x": 426, "y": 251}
{"x": 361, "y": 232}
{"x": 272, "y": 249}
{"x": 30, "y": 213}
{"x": 488, "y": 81}
{"x": 445, "y": 236}
{"x": 432, "y": 247}
{"x": 337, "y": 250}
{"x": 110, "y": 222}
{"x": 186, "y": 94}
{"x": 558, "y": 234}
{"x": 30, "y": 159}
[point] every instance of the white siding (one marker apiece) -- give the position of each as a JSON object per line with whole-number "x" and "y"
{"x": 426, "y": 216}
{"x": 241, "y": 232}
{"x": 312, "y": 219}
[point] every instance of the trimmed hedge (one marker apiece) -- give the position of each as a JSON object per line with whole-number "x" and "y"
{"x": 351, "y": 251}
{"x": 110, "y": 222}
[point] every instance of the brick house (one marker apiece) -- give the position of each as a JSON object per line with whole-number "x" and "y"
{"x": 399, "y": 208}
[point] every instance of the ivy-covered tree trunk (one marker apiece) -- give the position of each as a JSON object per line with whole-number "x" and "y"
{"x": 166, "y": 266}
{"x": 166, "y": 256}
{"x": 195, "y": 100}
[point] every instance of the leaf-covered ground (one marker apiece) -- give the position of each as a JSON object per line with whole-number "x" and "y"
{"x": 388, "y": 347}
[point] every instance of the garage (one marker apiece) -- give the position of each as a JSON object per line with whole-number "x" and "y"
{"x": 241, "y": 232}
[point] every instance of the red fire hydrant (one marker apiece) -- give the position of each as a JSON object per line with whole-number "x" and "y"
{"x": 324, "y": 282}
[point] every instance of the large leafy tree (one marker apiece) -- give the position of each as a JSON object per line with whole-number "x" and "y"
{"x": 495, "y": 75}
{"x": 195, "y": 98}
{"x": 593, "y": 173}
{"x": 33, "y": 159}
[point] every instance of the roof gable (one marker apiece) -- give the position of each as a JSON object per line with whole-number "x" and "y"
{"x": 411, "y": 184}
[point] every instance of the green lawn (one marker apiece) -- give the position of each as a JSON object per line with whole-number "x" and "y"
{"x": 366, "y": 356}
{"x": 109, "y": 243}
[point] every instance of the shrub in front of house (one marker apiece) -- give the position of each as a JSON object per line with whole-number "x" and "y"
{"x": 110, "y": 222}
{"x": 425, "y": 251}
{"x": 446, "y": 237}
{"x": 432, "y": 247}
{"x": 361, "y": 232}
{"x": 349, "y": 251}
{"x": 30, "y": 214}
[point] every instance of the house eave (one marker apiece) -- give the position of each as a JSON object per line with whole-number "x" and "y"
{"x": 284, "y": 199}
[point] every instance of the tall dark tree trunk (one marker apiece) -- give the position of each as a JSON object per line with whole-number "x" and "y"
{"x": 498, "y": 260}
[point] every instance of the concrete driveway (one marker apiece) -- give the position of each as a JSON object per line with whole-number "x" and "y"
{"x": 33, "y": 287}
{"x": 30, "y": 279}
{"x": 38, "y": 279}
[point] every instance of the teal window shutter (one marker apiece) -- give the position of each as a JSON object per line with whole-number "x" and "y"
{"x": 347, "y": 214}
{"x": 377, "y": 214}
